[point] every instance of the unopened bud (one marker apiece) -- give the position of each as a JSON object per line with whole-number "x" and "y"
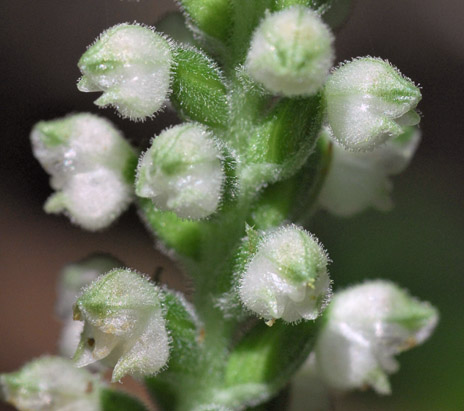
{"x": 124, "y": 325}
{"x": 291, "y": 52}
{"x": 366, "y": 326}
{"x": 131, "y": 64}
{"x": 368, "y": 102}
{"x": 182, "y": 172}
{"x": 357, "y": 181}
{"x": 51, "y": 383}
{"x": 286, "y": 277}
{"x": 88, "y": 161}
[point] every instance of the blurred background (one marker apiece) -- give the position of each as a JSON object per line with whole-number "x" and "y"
{"x": 419, "y": 244}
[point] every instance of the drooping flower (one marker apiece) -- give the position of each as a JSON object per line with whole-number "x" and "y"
{"x": 367, "y": 325}
{"x": 368, "y": 102}
{"x": 124, "y": 325}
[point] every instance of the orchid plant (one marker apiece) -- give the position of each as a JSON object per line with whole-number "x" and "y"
{"x": 270, "y": 133}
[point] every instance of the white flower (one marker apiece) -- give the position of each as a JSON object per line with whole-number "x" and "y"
{"x": 123, "y": 325}
{"x": 291, "y": 52}
{"x": 368, "y": 102}
{"x": 367, "y": 325}
{"x": 72, "y": 279}
{"x": 182, "y": 172}
{"x": 131, "y": 64}
{"x": 286, "y": 277}
{"x": 356, "y": 181}
{"x": 90, "y": 165}
{"x": 52, "y": 384}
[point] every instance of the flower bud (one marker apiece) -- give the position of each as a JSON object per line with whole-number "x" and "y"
{"x": 366, "y": 326}
{"x": 89, "y": 163}
{"x": 51, "y": 383}
{"x": 73, "y": 278}
{"x": 368, "y": 102}
{"x": 286, "y": 277}
{"x": 291, "y": 52}
{"x": 131, "y": 64}
{"x": 123, "y": 325}
{"x": 182, "y": 172}
{"x": 356, "y": 181}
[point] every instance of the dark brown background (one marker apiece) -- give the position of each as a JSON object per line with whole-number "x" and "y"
{"x": 40, "y": 44}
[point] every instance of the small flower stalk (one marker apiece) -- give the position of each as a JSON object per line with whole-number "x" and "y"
{"x": 182, "y": 172}
{"x": 286, "y": 277}
{"x": 124, "y": 325}
{"x": 131, "y": 65}
{"x": 367, "y": 325}
{"x": 51, "y": 383}
{"x": 368, "y": 102}
{"x": 291, "y": 52}
{"x": 88, "y": 161}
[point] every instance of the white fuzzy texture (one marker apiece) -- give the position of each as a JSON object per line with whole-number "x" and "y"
{"x": 367, "y": 325}
{"x": 368, "y": 102}
{"x": 51, "y": 384}
{"x": 123, "y": 325}
{"x": 359, "y": 180}
{"x": 86, "y": 158}
{"x": 182, "y": 172}
{"x": 291, "y": 52}
{"x": 131, "y": 64}
{"x": 287, "y": 277}
{"x": 72, "y": 279}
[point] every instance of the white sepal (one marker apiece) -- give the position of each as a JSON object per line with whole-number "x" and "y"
{"x": 53, "y": 384}
{"x": 286, "y": 277}
{"x": 131, "y": 64}
{"x": 124, "y": 325}
{"x": 368, "y": 102}
{"x": 367, "y": 325}
{"x": 359, "y": 180}
{"x": 291, "y": 52}
{"x": 182, "y": 172}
